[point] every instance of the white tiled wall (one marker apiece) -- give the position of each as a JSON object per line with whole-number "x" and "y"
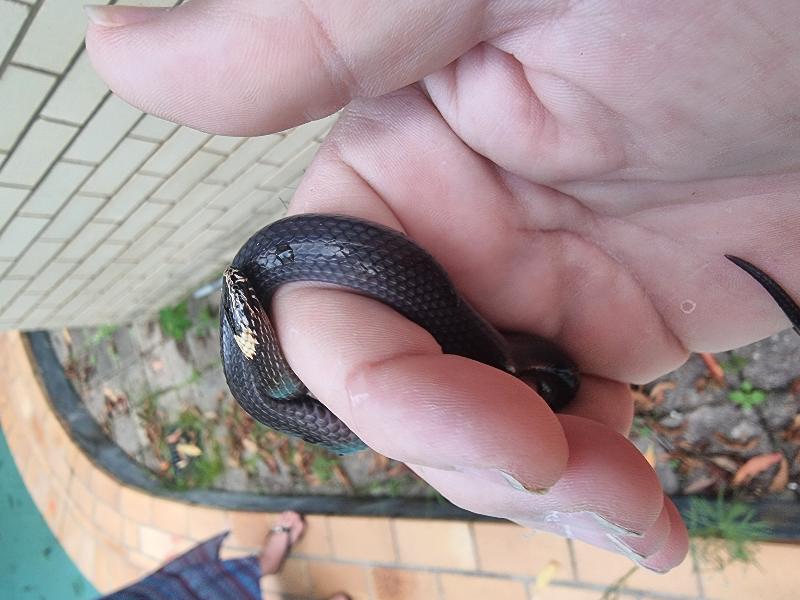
{"x": 107, "y": 213}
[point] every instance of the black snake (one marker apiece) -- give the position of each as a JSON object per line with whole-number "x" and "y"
{"x": 384, "y": 264}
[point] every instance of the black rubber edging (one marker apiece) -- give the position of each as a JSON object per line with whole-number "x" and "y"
{"x": 104, "y": 453}
{"x": 782, "y": 517}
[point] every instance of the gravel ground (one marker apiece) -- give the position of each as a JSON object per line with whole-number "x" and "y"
{"x": 165, "y": 402}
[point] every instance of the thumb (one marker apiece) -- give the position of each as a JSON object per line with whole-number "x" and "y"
{"x": 249, "y": 67}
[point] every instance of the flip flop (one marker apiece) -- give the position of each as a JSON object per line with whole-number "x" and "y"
{"x": 287, "y": 530}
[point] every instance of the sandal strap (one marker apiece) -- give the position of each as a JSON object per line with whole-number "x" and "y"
{"x": 280, "y": 529}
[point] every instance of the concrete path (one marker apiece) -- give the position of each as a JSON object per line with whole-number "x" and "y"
{"x": 116, "y": 534}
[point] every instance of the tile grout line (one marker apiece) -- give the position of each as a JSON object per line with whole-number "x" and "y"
{"x": 697, "y": 573}
{"x": 21, "y": 33}
{"x": 53, "y": 87}
{"x": 66, "y": 148}
{"x": 573, "y": 560}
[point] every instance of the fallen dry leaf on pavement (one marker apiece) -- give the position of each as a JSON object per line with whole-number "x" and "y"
{"x": 343, "y": 477}
{"x": 188, "y": 450}
{"x": 698, "y": 485}
{"x": 738, "y": 445}
{"x": 270, "y": 461}
{"x": 755, "y": 466}
{"x": 714, "y": 368}
{"x": 792, "y": 433}
{"x": 657, "y": 393}
{"x": 650, "y": 455}
{"x": 249, "y": 446}
{"x": 546, "y": 574}
{"x": 641, "y": 401}
{"x": 781, "y": 479}
{"x": 726, "y": 463}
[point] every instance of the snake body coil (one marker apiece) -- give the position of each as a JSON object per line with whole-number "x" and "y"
{"x": 375, "y": 261}
{"x": 381, "y": 263}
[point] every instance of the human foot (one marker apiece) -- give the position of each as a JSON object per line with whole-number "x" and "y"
{"x": 282, "y": 536}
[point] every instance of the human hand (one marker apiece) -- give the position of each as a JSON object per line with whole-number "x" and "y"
{"x": 578, "y": 169}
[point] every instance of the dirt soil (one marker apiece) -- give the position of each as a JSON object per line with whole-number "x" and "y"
{"x": 729, "y": 421}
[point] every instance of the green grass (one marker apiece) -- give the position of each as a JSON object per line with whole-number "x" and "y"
{"x": 203, "y": 470}
{"x": 191, "y": 420}
{"x": 194, "y": 377}
{"x": 103, "y": 333}
{"x": 175, "y": 321}
{"x": 747, "y": 396}
{"x": 322, "y": 467}
{"x": 205, "y": 322}
{"x": 723, "y": 532}
{"x": 735, "y": 363}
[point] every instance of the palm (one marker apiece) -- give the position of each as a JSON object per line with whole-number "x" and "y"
{"x": 579, "y": 175}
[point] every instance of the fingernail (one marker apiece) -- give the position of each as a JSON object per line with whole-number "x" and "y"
{"x": 614, "y": 528}
{"x": 654, "y": 569}
{"x": 518, "y": 485}
{"x": 118, "y": 16}
{"x": 631, "y": 553}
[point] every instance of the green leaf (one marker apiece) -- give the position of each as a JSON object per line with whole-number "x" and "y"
{"x": 175, "y": 321}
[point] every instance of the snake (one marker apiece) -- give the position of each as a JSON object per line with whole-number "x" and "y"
{"x": 384, "y": 264}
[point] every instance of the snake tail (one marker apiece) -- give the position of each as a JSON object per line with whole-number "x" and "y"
{"x": 789, "y": 307}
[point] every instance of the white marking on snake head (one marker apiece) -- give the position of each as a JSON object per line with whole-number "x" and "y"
{"x": 247, "y": 342}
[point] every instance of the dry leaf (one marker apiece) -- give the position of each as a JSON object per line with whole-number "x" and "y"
{"x": 173, "y": 437}
{"x": 792, "y": 433}
{"x": 188, "y": 450}
{"x": 398, "y": 470}
{"x": 343, "y": 478}
{"x": 755, "y": 466}
{"x": 641, "y": 401}
{"x": 658, "y": 390}
{"x": 379, "y": 463}
{"x": 300, "y": 459}
{"x": 744, "y": 446}
{"x": 725, "y": 463}
{"x": 249, "y": 446}
{"x": 670, "y": 432}
{"x": 546, "y": 574}
{"x": 698, "y": 485}
{"x": 650, "y": 455}
{"x": 714, "y": 368}
{"x": 67, "y": 336}
{"x": 270, "y": 461}
{"x": 781, "y": 479}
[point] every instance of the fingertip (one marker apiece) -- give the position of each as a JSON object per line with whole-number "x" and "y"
{"x": 102, "y": 15}
{"x": 676, "y": 547}
{"x": 604, "y": 401}
{"x": 622, "y": 485}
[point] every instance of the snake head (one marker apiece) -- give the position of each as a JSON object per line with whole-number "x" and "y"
{"x": 260, "y": 355}
{"x": 243, "y": 311}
